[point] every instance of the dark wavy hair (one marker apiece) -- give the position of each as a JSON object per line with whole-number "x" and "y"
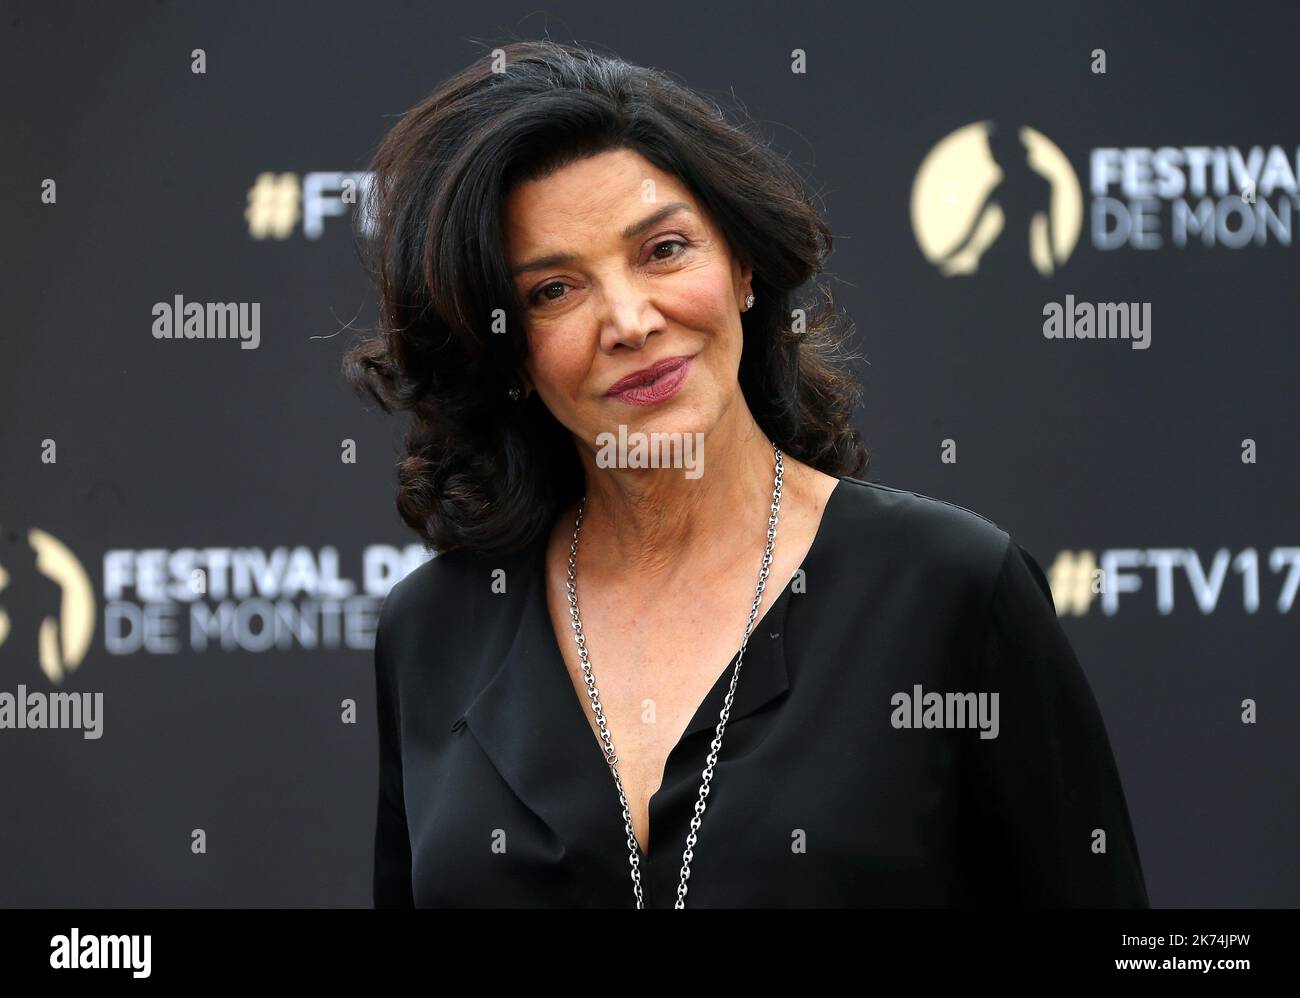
{"x": 485, "y": 474}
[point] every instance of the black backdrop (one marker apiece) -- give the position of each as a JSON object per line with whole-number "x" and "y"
{"x": 1081, "y": 448}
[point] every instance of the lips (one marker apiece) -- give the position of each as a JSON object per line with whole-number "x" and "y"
{"x": 653, "y": 385}
{"x": 646, "y": 375}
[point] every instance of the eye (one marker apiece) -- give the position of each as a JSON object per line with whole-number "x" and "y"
{"x": 541, "y": 299}
{"x": 536, "y": 296}
{"x": 668, "y": 242}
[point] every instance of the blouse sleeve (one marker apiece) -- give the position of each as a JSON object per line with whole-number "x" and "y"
{"x": 1051, "y": 820}
{"x": 392, "y": 880}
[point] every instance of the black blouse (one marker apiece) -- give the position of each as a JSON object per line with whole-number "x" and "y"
{"x": 834, "y": 786}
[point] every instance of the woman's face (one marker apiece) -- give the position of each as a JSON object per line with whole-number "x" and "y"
{"x": 613, "y": 278}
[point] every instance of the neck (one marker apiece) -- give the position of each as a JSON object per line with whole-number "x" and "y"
{"x": 664, "y": 527}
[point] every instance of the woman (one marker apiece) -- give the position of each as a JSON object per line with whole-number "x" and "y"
{"x": 722, "y": 672}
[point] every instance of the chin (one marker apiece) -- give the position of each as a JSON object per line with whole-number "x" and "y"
{"x": 674, "y": 418}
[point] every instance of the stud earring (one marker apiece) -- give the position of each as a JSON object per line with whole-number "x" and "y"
{"x": 514, "y": 394}
{"x": 749, "y": 302}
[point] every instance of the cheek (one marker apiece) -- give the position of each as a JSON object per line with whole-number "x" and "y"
{"x": 703, "y": 300}
{"x": 707, "y": 306}
{"x": 558, "y": 362}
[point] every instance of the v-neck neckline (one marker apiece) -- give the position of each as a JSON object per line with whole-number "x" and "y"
{"x": 778, "y": 611}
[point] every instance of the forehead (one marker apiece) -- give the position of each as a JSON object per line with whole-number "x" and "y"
{"x": 593, "y": 195}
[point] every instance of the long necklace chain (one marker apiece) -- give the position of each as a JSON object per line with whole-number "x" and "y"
{"x": 633, "y": 857}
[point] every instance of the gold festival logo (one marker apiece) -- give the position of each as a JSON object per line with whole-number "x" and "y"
{"x": 992, "y": 199}
{"x": 47, "y": 605}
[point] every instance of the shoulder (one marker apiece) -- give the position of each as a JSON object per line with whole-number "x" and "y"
{"x": 945, "y": 562}
{"x": 939, "y": 536}
{"x": 431, "y": 578}
{"x": 448, "y": 592}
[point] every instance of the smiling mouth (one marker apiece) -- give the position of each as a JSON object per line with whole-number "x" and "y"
{"x": 659, "y": 384}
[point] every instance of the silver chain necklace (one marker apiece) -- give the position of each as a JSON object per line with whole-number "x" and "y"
{"x": 610, "y": 757}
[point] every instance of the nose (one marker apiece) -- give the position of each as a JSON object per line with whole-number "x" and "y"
{"x": 628, "y": 316}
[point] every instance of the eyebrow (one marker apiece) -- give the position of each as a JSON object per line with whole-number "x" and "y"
{"x": 635, "y": 229}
